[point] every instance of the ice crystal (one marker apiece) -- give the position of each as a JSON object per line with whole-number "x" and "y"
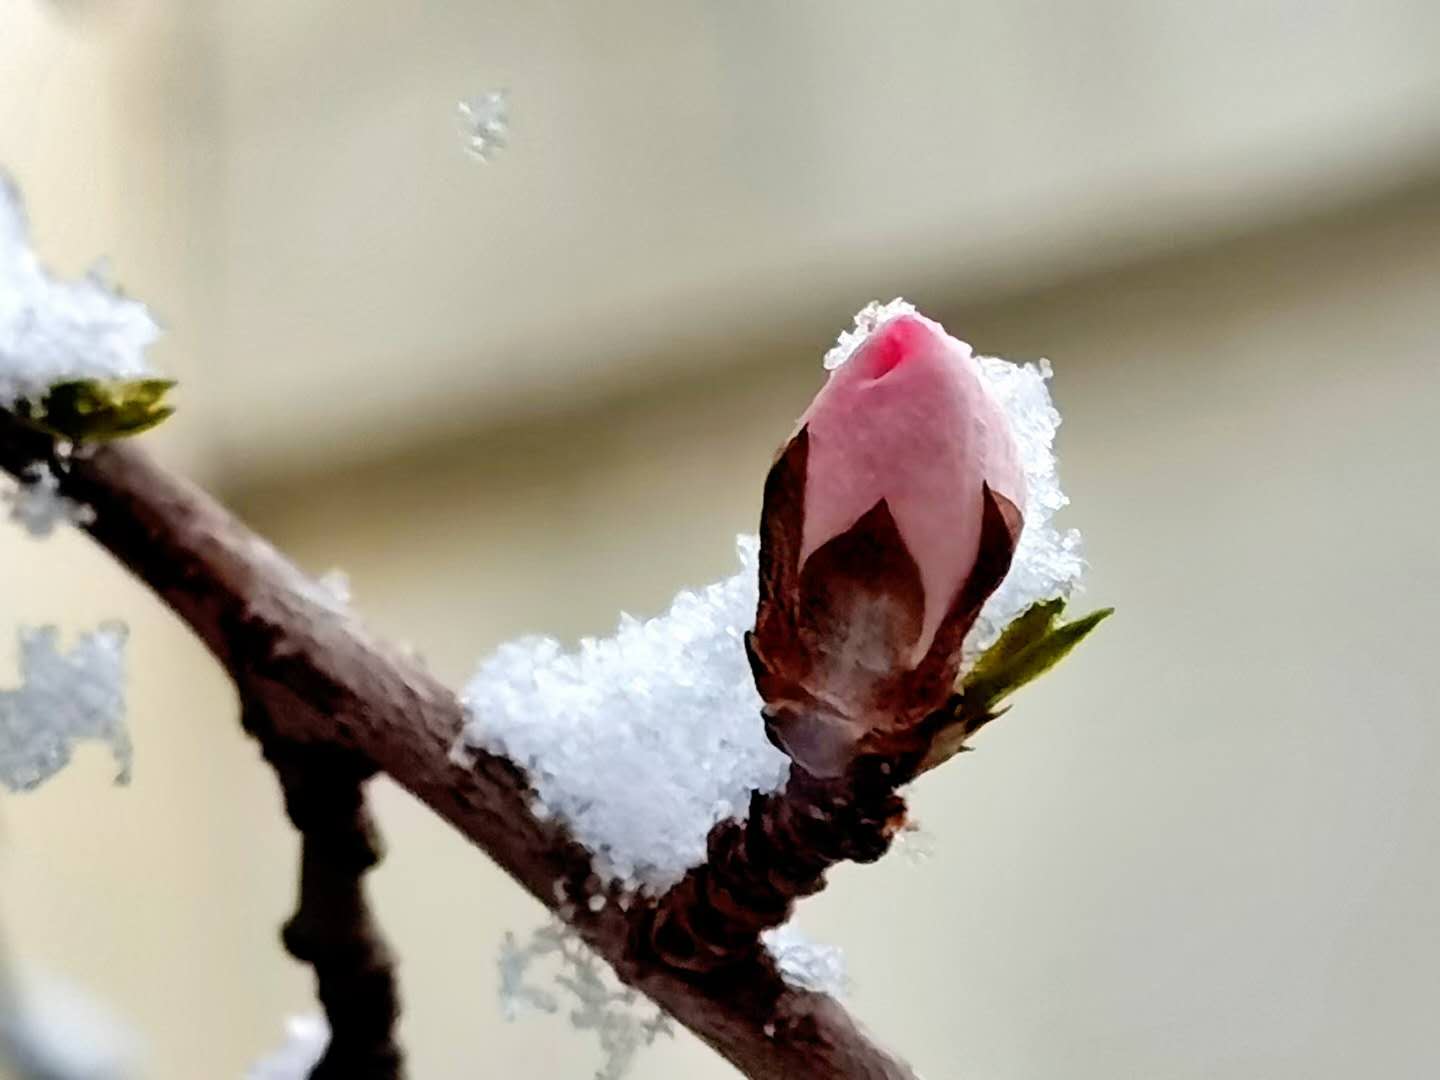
{"x": 617, "y": 1014}
{"x": 485, "y": 124}
{"x": 306, "y": 1038}
{"x": 63, "y": 698}
{"x": 37, "y": 506}
{"x": 54, "y": 331}
{"x": 807, "y": 964}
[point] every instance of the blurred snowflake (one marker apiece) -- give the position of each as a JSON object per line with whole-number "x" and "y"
{"x": 485, "y": 124}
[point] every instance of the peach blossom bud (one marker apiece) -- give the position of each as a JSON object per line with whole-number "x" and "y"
{"x": 889, "y": 517}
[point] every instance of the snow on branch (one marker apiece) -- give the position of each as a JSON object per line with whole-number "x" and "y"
{"x": 54, "y": 331}
{"x": 638, "y": 742}
{"x": 64, "y": 698}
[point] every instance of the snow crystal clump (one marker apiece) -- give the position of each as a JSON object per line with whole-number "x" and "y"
{"x": 641, "y": 741}
{"x": 1048, "y": 562}
{"x": 485, "y": 124}
{"x": 806, "y": 964}
{"x": 306, "y": 1038}
{"x": 62, "y": 699}
{"x": 600, "y": 1003}
{"x": 54, "y": 331}
{"x": 37, "y": 506}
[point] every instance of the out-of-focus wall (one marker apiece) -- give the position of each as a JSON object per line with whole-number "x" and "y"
{"x": 1204, "y": 848}
{"x": 677, "y": 166}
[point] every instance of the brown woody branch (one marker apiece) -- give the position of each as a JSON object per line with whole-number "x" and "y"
{"x": 323, "y": 682}
{"x": 756, "y": 869}
{"x": 333, "y": 929}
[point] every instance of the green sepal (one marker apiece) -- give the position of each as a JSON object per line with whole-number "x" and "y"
{"x": 1025, "y": 630}
{"x": 1030, "y": 646}
{"x": 93, "y": 410}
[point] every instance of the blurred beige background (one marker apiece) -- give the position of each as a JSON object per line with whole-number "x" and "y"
{"x": 523, "y": 396}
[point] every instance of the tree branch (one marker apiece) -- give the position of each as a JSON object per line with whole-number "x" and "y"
{"x": 324, "y": 681}
{"x": 333, "y": 929}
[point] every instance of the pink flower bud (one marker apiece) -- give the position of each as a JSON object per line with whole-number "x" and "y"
{"x": 890, "y": 516}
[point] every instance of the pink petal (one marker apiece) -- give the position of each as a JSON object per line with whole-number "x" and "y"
{"x": 907, "y": 420}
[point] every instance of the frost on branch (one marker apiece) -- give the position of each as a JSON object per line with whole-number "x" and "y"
{"x": 37, "y": 506}
{"x": 306, "y": 1038}
{"x": 63, "y": 698}
{"x": 598, "y": 1003}
{"x": 54, "y": 331}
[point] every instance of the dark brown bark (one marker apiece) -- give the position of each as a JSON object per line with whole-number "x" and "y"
{"x": 333, "y": 929}
{"x": 324, "y": 682}
{"x": 756, "y": 869}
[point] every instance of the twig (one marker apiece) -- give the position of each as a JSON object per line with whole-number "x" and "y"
{"x": 324, "y": 680}
{"x": 755, "y": 870}
{"x": 333, "y": 929}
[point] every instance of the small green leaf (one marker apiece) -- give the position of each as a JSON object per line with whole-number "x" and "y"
{"x": 993, "y": 681}
{"x": 1025, "y": 630}
{"x": 1031, "y": 645}
{"x": 90, "y": 410}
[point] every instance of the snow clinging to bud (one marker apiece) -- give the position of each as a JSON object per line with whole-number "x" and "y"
{"x": 55, "y": 331}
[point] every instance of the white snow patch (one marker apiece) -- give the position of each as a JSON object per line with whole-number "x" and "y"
{"x": 53, "y": 331}
{"x": 641, "y": 741}
{"x": 485, "y": 124}
{"x": 306, "y": 1038}
{"x": 37, "y": 506}
{"x": 63, "y": 698}
{"x": 806, "y": 964}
